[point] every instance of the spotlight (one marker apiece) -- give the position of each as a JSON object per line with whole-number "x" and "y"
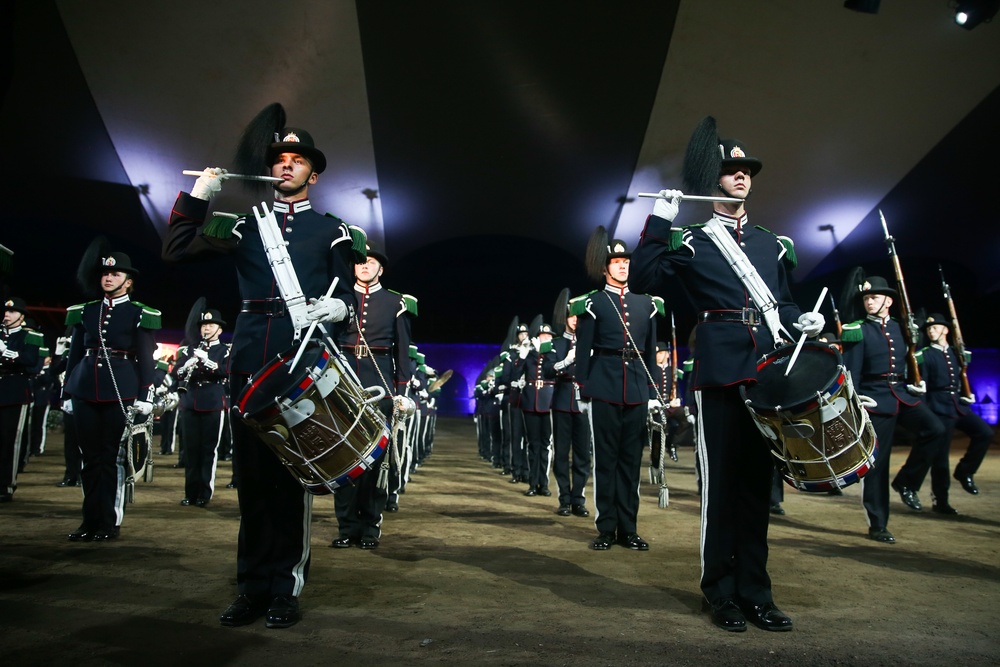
{"x": 970, "y": 13}
{"x": 866, "y": 6}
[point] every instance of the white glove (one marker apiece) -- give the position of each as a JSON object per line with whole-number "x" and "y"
{"x": 161, "y": 390}
{"x": 62, "y": 343}
{"x": 518, "y": 383}
{"x": 655, "y": 405}
{"x": 536, "y": 343}
{"x": 3, "y": 347}
{"x": 691, "y": 419}
{"x": 209, "y": 183}
{"x": 811, "y": 323}
{"x": 415, "y": 383}
{"x": 917, "y": 389}
{"x": 327, "y": 309}
{"x": 143, "y": 407}
{"x": 67, "y": 406}
{"x": 189, "y": 364}
{"x": 968, "y": 400}
{"x": 422, "y": 394}
{"x": 201, "y": 354}
{"x": 676, "y": 403}
{"x": 570, "y": 356}
{"x": 9, "y": 354}
{"x": 668, "y": 204}
{"x": 867, "y": 402}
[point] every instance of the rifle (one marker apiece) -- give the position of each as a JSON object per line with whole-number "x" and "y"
{"x": 956, "y": 335}
{"x": 836, "y": 318}
{"x": 910, "y": 328}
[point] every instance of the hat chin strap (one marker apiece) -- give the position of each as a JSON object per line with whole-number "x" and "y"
{"x": 305, "y": 184}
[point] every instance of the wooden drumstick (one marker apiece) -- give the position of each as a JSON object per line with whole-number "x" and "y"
{"x": 245, "y": 177}
{"x": 802, "y": 338}
{"x": 683, "y": 197}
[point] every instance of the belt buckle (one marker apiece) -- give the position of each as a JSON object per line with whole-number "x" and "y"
{"x": 362, "y": 351}
{"x": 750, "y": 316}
{"x": 539, "y": 384}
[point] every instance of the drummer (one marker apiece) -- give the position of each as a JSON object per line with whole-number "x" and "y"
{"x": 735, "y": 460}
{"x": 275, "y": 511}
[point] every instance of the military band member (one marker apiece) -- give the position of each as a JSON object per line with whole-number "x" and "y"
{"x": 875, "y": 353}
{"x": 616, "y": 346}
{"x": 664, "y": 378}
{"x": 570, "y": 428}
{"x": 536, "y": 406}
{"x": 940, "y": 370}
{"x": 734, "y": 459}
{"x": 273, "y": 555}
{"x": 202, "y": 389}
{"x": 71, "y": 443}
{"x": 376, "y": 344}
{"x": 110, "y": 368}
{"x": 19, "y": 356}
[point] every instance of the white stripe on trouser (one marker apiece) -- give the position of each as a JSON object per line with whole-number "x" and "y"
{"x": 215, "y": 456}
{"x": 585, "y": 408}
{"x": 121, "y": 474}
{"x": 298, "y": 572}
{"x": 703, "y": 461}
{"x": 17, "y": 449}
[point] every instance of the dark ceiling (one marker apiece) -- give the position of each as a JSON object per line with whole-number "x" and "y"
{"x": 498, "y": 135}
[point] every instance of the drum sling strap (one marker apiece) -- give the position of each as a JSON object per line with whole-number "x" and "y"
{"x": 759, "y": 292}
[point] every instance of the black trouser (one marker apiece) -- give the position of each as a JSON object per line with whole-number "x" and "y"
{"x": 518, "y": 448}
{"x": 736, "y": 470}
{"x": 875, "y": 487}
{"x": 571, "y": 439}
{"x": 673, "y": 425}
{"x": 273, "y": 553}
{"x": 201, "y": 431}
{"x": 538, "y": 427}
{"x": 100, "y": 427}
{"x": 619, "y": 439}
{"x": 167, "y": 431}
{"x": 980, "y": 438}
{"x": 71, "y": 449}
{"x": 39, "y": 415}
{"x": 359, "y": 505}
{"x": 13, "y": 420}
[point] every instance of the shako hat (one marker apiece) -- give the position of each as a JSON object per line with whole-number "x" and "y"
{"x": 297, "y": 140}
{"x": 377, "y": 254}
{"x": 212, "y": 316}
{"x": 936, "y": 318}
{"x": 876, "y": 285}
{"x": 118, "y": 261}
{"x": 16, "y": 303}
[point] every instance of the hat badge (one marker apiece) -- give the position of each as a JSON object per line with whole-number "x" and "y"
{"x": 206, "y": 316}
{"x": 618, "y": 248}
{"x": 291, "y": 137}
{"x": 737, "y": 152}
{"x": 865, "y": 286}
{"x": 109, "y": 261}
{"x": 10, "y": 302}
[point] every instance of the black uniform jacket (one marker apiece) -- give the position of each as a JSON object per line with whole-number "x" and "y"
{"x": 321, "y": 248}
{"x": 564, "y": 398}
{"x": 17, "y": 365}
{"x": 940, "y": 370}
{"x": 385, "y": 318}
{"x": 206, "y": 388}
{"x": 127, "y": 330}
{"x": 727, "y": 352}
{"x": 875, "y": 354}
{"x": 538, "y": 390}
{"x": 608, "y": 367}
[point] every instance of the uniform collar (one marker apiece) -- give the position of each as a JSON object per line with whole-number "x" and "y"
{"x": 295, "y": 207}
{"x": 117, "y": 301}
{"x": 730, "y": 221}
{"x": 880, "y": 320}
{"x": 943, "y": 348}
{"x": 215, "y": 342}
{"x": 367, "y": 289}
{"x": 13, "y": 329}
{"x": 617, "y": 291}
{"x": 570, "y": 335}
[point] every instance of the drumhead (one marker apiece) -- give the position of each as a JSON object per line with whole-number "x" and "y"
{"x": 275, "y": 381}
{"x": 817, "y": 368}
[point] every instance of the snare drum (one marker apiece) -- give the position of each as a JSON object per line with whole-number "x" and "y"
{"x": 319, "y": 420}
{"x": 822, "y": 437}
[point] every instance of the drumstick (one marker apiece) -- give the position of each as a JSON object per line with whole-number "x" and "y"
{"x": 245, "y": 177}
{"x": 802, "y": 338}
{"x": 683, "y": 197}
{"x": 312, "y": 327}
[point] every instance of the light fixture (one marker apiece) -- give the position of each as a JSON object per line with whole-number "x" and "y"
{"x": 866, "y": 6}
{"x": 970, "y": 13}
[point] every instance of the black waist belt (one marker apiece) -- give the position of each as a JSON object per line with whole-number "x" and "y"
{"x": 203, "y": 383}
{"x": 112, "y": 354}
{"x": 750, "y": 316}
{"x": 270, "y": 307}
{"x": 888, "y": 377}
{"x": 361, "y": 351}
{"x": 626, "y": 353}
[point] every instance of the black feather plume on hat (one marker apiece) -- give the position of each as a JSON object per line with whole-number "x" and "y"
{"x": 511, "y": 334}
{"x": 559, "y": 312}
{"x": 88, "y": 274}
{"x": 251, "y": 152}
{"x": 702, "y": 159}
{"x": 596, "y": 258}
{"x": 536, "y": 325}
{"x": 850, "y": 307}
{"x": 192, "y": 327}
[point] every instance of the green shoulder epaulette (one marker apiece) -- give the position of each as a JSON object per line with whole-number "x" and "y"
{"x": 74, "y": 314}
{"x": 545, "y": 347}
{"x": 661, "y": 308}
{"x": 221, "y": 225}
{"x": 150, "y": 318}
{"x": 409, "y": 303}
{"x": 412, "y": 352}
{"x": 497, "y": 370}
{"x": 968, "y": 357}
{"x": 676, "y": 239}
{"x": 34, "y": 338}
{"x": 851, "y": 332}
{"x": 505, "y": 355}
{"x": 688, "y": 365}
{"x": 578, "y": 304}
{"x": 919, "y": 355}
{"x": 787, "y": 247}
{"x": 359, "y": 243}
{"x": 420, "y": 358}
